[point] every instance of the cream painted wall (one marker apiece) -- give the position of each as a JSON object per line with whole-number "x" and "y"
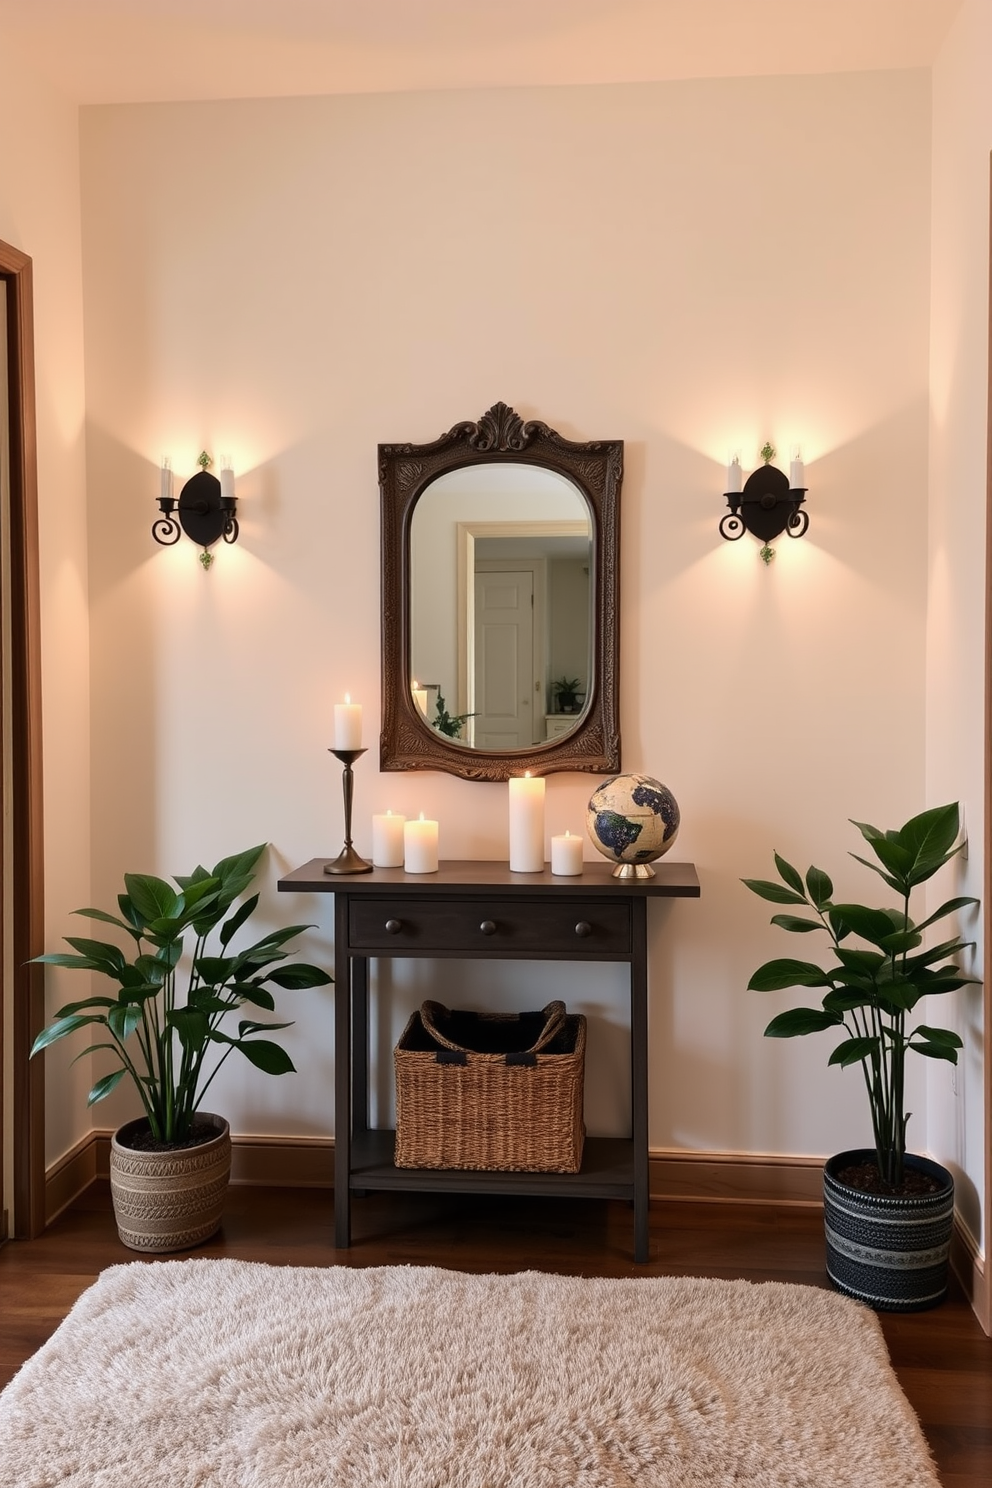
{"x": 691, "y": 267}
{"x": 39, "y": 213}
{"x": 962, "y": 142}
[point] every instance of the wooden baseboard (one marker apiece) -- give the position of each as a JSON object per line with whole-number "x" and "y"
{"x": 968, "y": 1265}
{"x": 308, "y": 1162}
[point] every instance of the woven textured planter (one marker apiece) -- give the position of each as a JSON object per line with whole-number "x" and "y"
{"x": 887, "y": 1250}
{"x": 169, "y": 1200}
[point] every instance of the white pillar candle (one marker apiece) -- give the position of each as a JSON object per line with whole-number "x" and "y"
{"x": 797, "y": 474}
{"x": 387, "y": 840}
{"x": 226, "y": 478}
{"x": 347, "y": 724}
{"x": 566, "y": 855}
{"x": 527, "y": 824}
{"x": 165, "y": 480}
{"x": 420, "y": 846}
{"x": 733, "y": 477}
{"x": 420, "y": 697}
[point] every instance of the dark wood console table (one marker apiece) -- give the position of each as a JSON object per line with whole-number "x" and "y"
{"x": 472, "y": 911}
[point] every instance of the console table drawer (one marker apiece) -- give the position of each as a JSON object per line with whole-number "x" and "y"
{"x": 495, "y": 927}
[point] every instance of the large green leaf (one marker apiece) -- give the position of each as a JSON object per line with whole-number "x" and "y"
{"x": 846, "y": 1002}
{"x": 799, "y": 1021}
{"x": 251, "y": 1025}
{"x": 192, "y": 1026}
{"x": 893, "y": 881}
{"x": 231, "y": 927}
{"x": 214, "y": 970}
{"x": 111, "y": 956}
{"x": 267, "y": 1056}
{"x": 239, "y": 865}
{"x": 298, "y": 976}
{"x": 152, "y": 898}
{"x": 123, "y": 1020}
{"x": 109, "y": 919}
{"x": 775, "y": 975}
{"x": 935, "y": 1051}
{"x": 104, "y": 1086}
{"x": 820, "y": 887}
{"x": 64, "y": 1026}
{"x": 253, "y": 993}
{"x": 773, "y": 892}
{"x": 796, "y": 924}
{"x": 789, "y": 875}
{"x": 873, "y": 925}
{"x": 930, "y": 838}
{"x": 961, "y": 902}
{"x": 853, "y": 1051}
{"x": 938, "y": 1036}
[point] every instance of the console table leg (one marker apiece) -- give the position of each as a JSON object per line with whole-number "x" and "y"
{"x": 342, "y": 1076}
{"x": 639, "y": 1076}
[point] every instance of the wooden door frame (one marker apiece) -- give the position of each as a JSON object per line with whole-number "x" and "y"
{"x": 23, "y": 867}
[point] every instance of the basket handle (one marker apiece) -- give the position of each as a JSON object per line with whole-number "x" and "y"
{"x": 554, "y": 1020}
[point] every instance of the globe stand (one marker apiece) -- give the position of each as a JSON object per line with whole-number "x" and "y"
{"x": 633, "y": 870}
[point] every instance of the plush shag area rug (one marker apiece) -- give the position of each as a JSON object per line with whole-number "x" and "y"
{"x": 225, "y": 1374}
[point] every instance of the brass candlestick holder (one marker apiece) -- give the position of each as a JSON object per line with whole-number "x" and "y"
{"x": 348, "y": 860}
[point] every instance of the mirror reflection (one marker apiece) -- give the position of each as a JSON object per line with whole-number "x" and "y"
{"x": 501, "y": 622}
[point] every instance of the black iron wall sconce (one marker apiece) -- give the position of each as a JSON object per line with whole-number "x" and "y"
{"x": 770, "y": 503}
{"x": 206, "y": 508}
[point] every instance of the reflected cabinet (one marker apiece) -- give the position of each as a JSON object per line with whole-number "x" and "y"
{"x": 473, "y": 911}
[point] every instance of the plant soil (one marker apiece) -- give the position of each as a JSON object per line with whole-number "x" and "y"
{"x": 200, "y": 1132}
{"x": 867, "y": 1179}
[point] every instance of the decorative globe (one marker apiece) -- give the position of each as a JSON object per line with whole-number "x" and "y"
{"x": 632, "y": 819}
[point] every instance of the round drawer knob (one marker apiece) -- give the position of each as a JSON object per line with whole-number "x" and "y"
{"x": 488, "y": 927}
{"x": 394, "y": 926}
{"x": 583, "y": 928}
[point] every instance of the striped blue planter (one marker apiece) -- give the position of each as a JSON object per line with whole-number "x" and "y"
{"x": 889, "y": 1251}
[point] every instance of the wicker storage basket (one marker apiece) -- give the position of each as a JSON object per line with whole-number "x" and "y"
{"x": 490, "y": 1091}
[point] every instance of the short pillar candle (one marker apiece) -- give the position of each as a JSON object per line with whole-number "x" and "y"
{"x": 420, "y": 846}
{"x": 566, "y": 855}
{"x": 387, "y": 840}
{"x": 527, "y": 824}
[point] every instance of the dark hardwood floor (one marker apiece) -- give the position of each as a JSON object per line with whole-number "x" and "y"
{"x": 942, "y": 1357}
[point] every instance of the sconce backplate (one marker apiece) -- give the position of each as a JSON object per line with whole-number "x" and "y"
{"x": 200, "y": 510}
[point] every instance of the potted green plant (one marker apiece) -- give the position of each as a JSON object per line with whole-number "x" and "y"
{"x": 888, "y": 1214}
{"x": 449, "y": 724}
{"x": 170, "y": 1167}
{"x": 567, "y": 691}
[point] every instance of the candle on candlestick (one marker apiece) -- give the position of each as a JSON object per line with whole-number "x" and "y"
{"x": 347, "y": 724}
{"x": 420, "y": 846}
{"x": 527, "y": 824}
{"x": 733, "y": 477}
{"x": 566, "y": 855}
{"x": 797, "y": 472}
{"x": 165, "y": 480}
{"x": 387, "y": 840}
{"x": 226, "y": 478}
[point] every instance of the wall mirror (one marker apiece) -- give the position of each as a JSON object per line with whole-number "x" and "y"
{"x": 500, "y": 590}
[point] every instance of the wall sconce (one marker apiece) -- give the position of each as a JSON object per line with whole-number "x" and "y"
{"x": 769, "y": 504}
{"x": 206, "y": 508}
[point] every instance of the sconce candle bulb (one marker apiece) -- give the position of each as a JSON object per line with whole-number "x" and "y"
{"x": 205, "y": 510}
{"x": 769, "y": 504}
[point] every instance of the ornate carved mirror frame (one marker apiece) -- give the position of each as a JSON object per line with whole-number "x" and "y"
{"x": 407, "y": 741}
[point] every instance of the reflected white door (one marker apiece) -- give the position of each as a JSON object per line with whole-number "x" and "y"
{"x": 504, "y": 660}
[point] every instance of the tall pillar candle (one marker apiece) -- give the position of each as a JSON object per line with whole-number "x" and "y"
{"x": 387, "y": 840}
{"x": 347, "y": 724}
{"x": 527, "y": 824}
{"x": 420, "y": 846}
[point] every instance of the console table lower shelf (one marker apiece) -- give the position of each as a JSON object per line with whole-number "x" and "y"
{"x": 607, "y": 1172}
